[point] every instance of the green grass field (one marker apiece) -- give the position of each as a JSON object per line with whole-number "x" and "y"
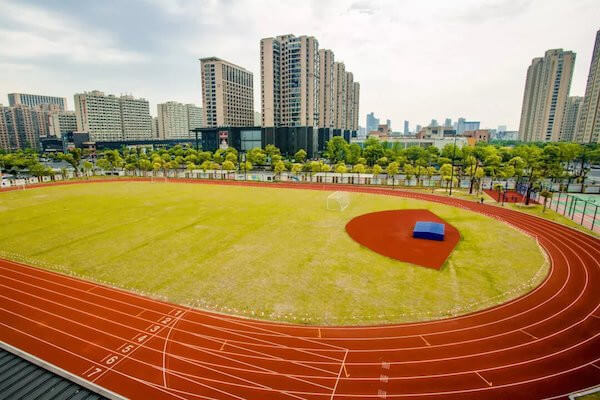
{"x": 267, "y": 253}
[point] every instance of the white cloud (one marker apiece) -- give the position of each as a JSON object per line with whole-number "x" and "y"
{"x": 38, "y": 33}
{"x": 414, "y": 60}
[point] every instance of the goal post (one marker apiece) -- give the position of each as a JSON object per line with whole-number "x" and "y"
{"x": 338, "y": 201}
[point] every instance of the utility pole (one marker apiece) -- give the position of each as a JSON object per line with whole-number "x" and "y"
{"x": 452, "y": 173}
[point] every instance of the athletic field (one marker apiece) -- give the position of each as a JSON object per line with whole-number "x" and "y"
{"x": 267, "y": 253}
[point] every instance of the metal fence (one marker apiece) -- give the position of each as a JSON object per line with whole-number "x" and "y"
{"x": 583, "y": 210}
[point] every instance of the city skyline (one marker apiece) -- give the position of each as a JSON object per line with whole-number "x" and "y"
{"x": 161, "y": 64}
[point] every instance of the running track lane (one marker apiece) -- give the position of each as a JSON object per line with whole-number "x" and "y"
{"x": 543, "y": 345}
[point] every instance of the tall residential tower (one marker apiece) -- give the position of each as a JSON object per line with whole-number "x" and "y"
{"x": 545, "y": 98}
{"x": 227, "y": 94}
{"x": 588, "y": 125}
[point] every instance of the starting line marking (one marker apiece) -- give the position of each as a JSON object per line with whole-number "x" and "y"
{"x": 425, "y": 340}
{"x": 594, "y": 365}
{"x": 382, "y": 394}
{"x": 485, "y": 380}
{"x": 223, "y": 346}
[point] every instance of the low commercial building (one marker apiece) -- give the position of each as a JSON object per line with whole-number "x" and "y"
{"x": 479, "y": 135}
{"x": 410, "y": 141}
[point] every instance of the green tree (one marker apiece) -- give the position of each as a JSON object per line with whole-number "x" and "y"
{"x": 279, "y": 167}
{"x": 228, "y": 165}
{"x": 338, "y": 149}
{"x": 546, "y": 195}
{"x": 256, "y": 156}
{"x": 103, "y": 164}
{"x": 446, "y": 174}
{"x": 296, "y": 168}
{"x": 271, "y": 151}
{"x": 354, "y": 152}
{"x": 359, "y": 169}
{"x": 373, "y": 151}
{"x": 300, "y": 156}
{"x": 341, "y": 168}
{"x": 87, "y": 167}
{"x": 377, "y": 169}
{"x": 409, "y": 172}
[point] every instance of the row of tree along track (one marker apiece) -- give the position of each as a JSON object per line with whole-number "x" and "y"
{"x": 545, "y": 344}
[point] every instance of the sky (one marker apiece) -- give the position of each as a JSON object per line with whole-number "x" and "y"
{"x": 415, "y": 60}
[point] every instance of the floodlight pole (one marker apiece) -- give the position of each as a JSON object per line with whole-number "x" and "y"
{"x": 452, "y": 172}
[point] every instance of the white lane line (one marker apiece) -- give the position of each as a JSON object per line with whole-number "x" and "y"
{"x": 455, "y": 357}
{"x": 254, "y": 384}
{"x": 108, "y": 308}
{"x": 153, "y": 367}
{"x": 425, "y": 340}
{"x": 122, "y": 357}
{"x": 142, "y": 332}
{"x": 595, "y": 366}
{"x": 441, "y": 332}
{"x": 164, "y": 353}
{"x": 242, "y": 345}
{"x": 358, "y": 396}
{"x": 170, "y": 370}
{"x": 223, "y": 346}
{"x": 83, "y": 358}
{"x": 337, "y": 381}
{"x": 485, "y": 380}
{"x": 266, "y": 371}
{"x": 529, "y": 334}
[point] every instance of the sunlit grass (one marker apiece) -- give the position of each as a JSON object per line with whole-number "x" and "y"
{"x": 268, "y": 253}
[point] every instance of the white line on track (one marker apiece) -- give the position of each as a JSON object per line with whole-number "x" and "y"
{"x": 164, "y": 353}
{"x": 485, "y": 380}
{"x": 337, "y": 381}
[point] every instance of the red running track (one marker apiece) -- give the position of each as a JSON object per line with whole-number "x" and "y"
{"x": 543, "y": 345}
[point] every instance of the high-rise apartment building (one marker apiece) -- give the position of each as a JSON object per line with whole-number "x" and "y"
{"x": 434, "y": 122}
{"x": 257, "y": 118}
{"x": 290, "y": 81}
{"x": 372, "y": 122}
{"x": 61, "y": 122}
{"x": 33, "y": 100}
{"x": 406, "y": 127}
{"x": 545, "y": 97}
{"x": 4, "y": 139}
{"x": 349, "y": 101}
{"x": 326, "y": 89}
{"x": 355, "y": 107}
{"x": 194, "y": 116}
{"x": 172, "y": 120}
{"x": 227, "y": 93}
{"x": 569, "y": 123}
{"x": 155, "y": 127}
{"x": 339, "y": 83}
{"x": 19, "y": 127}
{"x": 111, "y": 118}
{"x": 588, "y": 125}
{"x": 448, "y": 122}
{"x": 175, "y": 120}
{"x": 302, "y": 85}
{"x": 136, "y": 119}
{"x": 463, "y": 125}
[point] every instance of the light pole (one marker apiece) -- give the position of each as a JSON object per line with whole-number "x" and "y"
{"x": 452, "y": 172}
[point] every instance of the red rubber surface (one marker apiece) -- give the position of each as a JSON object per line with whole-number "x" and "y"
{"x": 389, "y": 233}
{"x": 545, "y": 344}
{"x": 510, "y": 196}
